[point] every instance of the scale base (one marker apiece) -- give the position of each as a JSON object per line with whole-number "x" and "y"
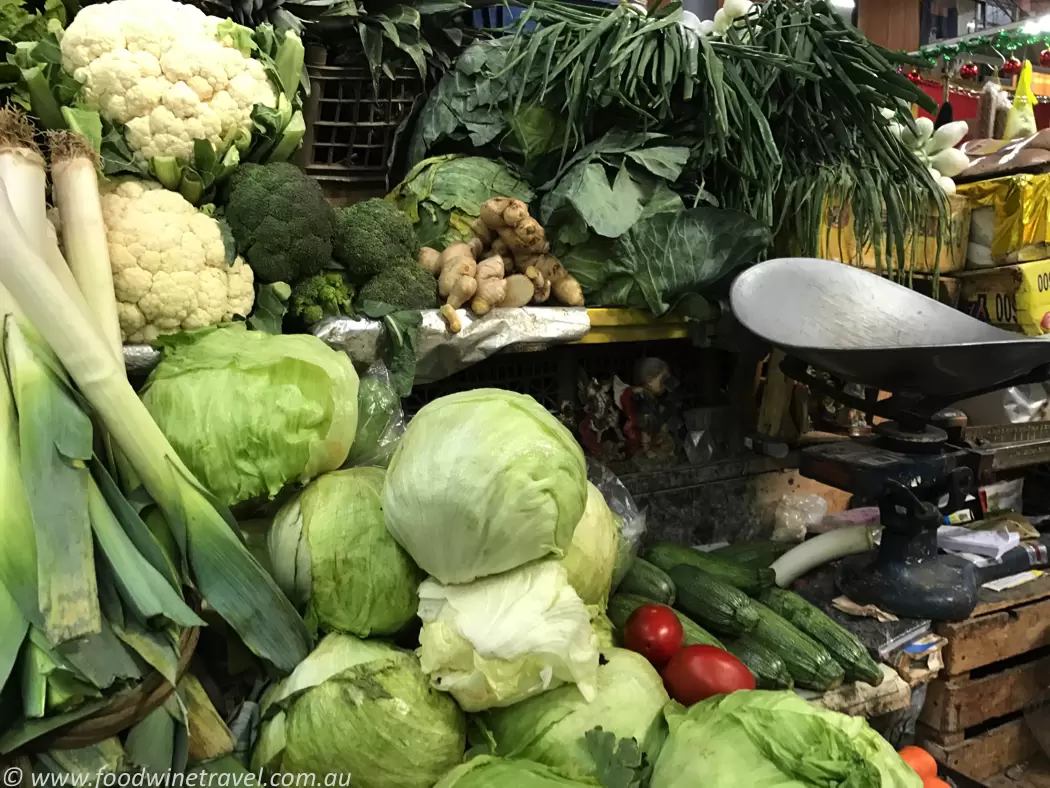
{"x": 934, "y": 589}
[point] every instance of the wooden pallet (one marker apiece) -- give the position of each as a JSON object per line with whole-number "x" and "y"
{"x": 996, "y": 663}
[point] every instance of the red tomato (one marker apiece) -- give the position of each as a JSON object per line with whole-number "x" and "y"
{"x": 697, "y": 673}
{"x": 655, "y": 632}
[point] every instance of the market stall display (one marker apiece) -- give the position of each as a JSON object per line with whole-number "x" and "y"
{"x": 456, "y": 601}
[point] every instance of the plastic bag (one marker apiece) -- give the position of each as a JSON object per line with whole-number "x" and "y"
{"x": 796, "y": 514}
{"x": 1021, "y": 120}
{"x": 380, "y": 420}
{"x": 622, "y": 503}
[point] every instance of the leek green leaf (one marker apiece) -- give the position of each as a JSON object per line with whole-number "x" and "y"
{"x": 85, "y": 763}
{"x": 55, "y": 442}
{"x": 101, "y": 658}
{"x": 26, "y": 731}
{"x": 13, "y": 628}
{"x": 150, "y": 744}
{"x": 141, "y": 586}
{"x": 17, "y": 542}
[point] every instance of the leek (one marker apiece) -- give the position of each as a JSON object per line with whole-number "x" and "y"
{"x": 231, "y": 580}
{"x": 13, "y": 627}
{"x": 75, "y": 188}
{"x": 55, "y": 439}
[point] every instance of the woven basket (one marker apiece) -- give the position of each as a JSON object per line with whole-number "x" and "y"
{"x": 124, "y": 710}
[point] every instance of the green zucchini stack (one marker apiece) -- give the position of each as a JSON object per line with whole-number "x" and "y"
{"x": 783, "y": 639}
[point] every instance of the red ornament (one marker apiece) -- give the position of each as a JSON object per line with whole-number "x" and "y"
{"x": 915, "y": 77}
{"x": 969, "y": 71}
{"x": 1044, "y": 58}
{"x": 1012, "y": 67}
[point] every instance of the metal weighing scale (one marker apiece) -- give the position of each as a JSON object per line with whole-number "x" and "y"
{"x": 923, "y": 461}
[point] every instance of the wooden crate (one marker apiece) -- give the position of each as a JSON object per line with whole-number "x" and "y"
{"x": 996, "y": 663}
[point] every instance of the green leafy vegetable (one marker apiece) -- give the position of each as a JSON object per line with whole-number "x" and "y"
{"x": 250, "y": 412}
{"x": 364, "y": 708}
{"x": 509, "y": 489}
{"x": 401, "y": 339}
{"x": 271, "y": 305}
{"x": 487, "y": 772}
{"x": 668, "y": 255}
{"x": 577, "y": 738}
{"x": 331, "y": 554}
{"x": 776, "y": 740}
{"x": 620, "y": 764}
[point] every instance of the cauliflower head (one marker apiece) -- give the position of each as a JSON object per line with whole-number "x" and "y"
{"x": 164, "y": 70}
{"x": 169, "y": 263}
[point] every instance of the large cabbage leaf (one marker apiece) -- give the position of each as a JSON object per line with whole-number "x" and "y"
{"x": 482, "y": 482}
{"x": 550, "y": 728}
{"x": 249, "y": 412}
{"x": 360, "y": 708}
{"x": 487, "y": 772}
{"x": 776, "y": 740}
{"x": 497, "y": 641}
{"x": 591, "y": 559}
{"x": 443, "y": 195}
{"x": 331, "y": 553}
{"x": 665, "y": 257}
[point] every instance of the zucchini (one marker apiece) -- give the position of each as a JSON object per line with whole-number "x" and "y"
{"x": 769, "y": 670}
{"x": 808, "y": 662}
{"x": 712, "y": 603}
{"x": 648, "y": 580}
{"x": 759, "y": 553}
{"x": 842, "y": 644}
{"x": 622, "y": 605}
{"x": 751, "y": 580}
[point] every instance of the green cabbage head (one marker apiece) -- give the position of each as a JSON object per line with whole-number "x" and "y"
{"x": 360, "y": 708}
{"x": 550, "y": 728}
{"x": 776, "y": 740}
{"x": 482, "y": 482}
{"x": 332, "y": 556}
{"x": 592, "y": 554}
{"x": 499, "y": 640}
{"x": 249, "y": 412}
{"x": 487, "y": 772}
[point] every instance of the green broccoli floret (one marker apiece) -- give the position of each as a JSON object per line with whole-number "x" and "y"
{"x": 282, "y": 223}
{"x": 406, "y": 286}
{"x": 373, "y": 236}
{"x": 322, "y": 295}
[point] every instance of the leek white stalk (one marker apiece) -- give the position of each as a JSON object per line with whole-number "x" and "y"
{"x": 822, "y": 550}
{"x": 231, "y": 580}
{"x": 75, "y": 189}
{"x": 24, "y": 173}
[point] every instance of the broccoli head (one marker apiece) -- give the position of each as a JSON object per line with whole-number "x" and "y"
{"x": 373, "y": 236}
{"x": 322, "y": 295}
{"x": 282, "y": 223}
{"x": 406, "y": 285}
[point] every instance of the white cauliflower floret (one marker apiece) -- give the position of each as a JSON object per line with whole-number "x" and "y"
{"x": 157, "y": 67}
{"x": 169, "y": 263}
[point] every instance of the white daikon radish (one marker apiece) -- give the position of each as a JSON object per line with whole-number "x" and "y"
{"x": 895, "y": 129}
{"x": 950, "y": 162}
{"x": 948, "y": 136}
{"x": 947, "y": 184}
{"x": 722, "y": 22}
{"x": 924, "y": 126}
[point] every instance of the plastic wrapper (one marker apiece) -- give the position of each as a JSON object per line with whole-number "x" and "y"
{"x": 1021, "y": 120}
{"x": 1015, "y": 405}
{"x": 796, "y": 514}
{"x": 1021, "y": 228}
{"x": 380, "y": 420}
{"x": 632, "y": 519}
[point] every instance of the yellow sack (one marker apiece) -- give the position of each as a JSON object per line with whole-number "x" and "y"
{"x": 1020, "y": 123}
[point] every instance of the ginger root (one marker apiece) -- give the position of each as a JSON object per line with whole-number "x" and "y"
{"x": 430, "y": 259}
{"x": 540, "y": 286}
{"x": 491, "y": 286}
{"x": 509, "y": 218}
{"x": 456, "y": 282}
{"x": 563, "y": 285}
{"x": 520, "y": 291}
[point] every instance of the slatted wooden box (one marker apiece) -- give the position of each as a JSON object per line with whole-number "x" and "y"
{"x": 996, "y": 665}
